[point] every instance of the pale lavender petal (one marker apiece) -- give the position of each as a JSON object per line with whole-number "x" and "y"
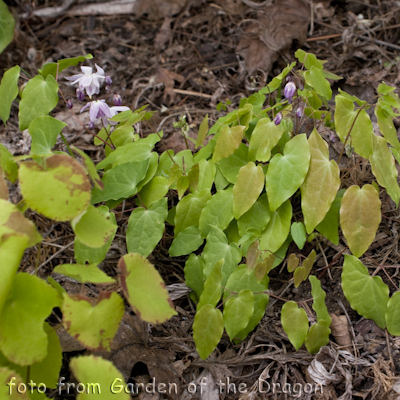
{"x": 94, "y": 110}
{"x": 105, "y": 110}
{"x": 85, "y": 106}
{"x": 100, "y": 70}
{"x": 119, "y": 108}
{"x": 90, "y": 90}
{"x": 86, "y": 81}
{"x": 87, "y": 70}
{"x": 74, "y": 78}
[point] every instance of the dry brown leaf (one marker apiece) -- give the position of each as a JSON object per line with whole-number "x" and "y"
{"x": 164, "y": 34}
{"x": 157, "y": 9}
{"x": 340, "y": 330}
{"x": 168, "y": 78}
{"x": 276, "y": 27}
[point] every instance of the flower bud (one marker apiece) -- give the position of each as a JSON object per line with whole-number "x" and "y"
{"x": 299, "y": 112}
{"x": 108, "y": 80}
{"x": 332, "y": 137}
{"x": 70, "y": 103}
{"x": 91, "y": 125}
{"x": 278, "y": 119}
{"x": 80, "y": 94}
{"x": 117, "y": 99}
{"x": 107, "y": 89}
{"x": 290, "y": 89}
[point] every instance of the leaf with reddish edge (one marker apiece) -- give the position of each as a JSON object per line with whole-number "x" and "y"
{"x": 144, "y": 289}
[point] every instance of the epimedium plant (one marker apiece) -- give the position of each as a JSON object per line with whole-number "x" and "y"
{"x": 235, "y": 199}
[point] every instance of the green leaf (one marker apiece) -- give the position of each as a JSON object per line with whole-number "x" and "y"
{"x": 361, "y": 130}
{"x": 46, "y": 371}
{"x": 217, "y": 247}
{"x": 7, "y": 164}
{"x": 253, "y": 255}
{"x": 315, "y": 78}
{"x": 8, "y": 88}
{"x": 153, "y": 164}
{"x": 217, "y": 212}
{"x": 189, "y": 209}
{"x": 298, "y": 232}
{"x": 385, "y": 89}
{"x": 83, "y": 273}
{"x": 212, "y": 289}
{"x": 99, "y": 377}
{"x": 329, "y": 226}
{"x": 367, "y": 295}
{"x": 228, "y": 141}
{"x": 94, "y": 325}
{"x": 122, "y": 135}
{"x": 386, "y": 126}
{"x": 44, "y": 132}
{"x": 194, "y": 274}
{"x": 392, "y": 314}
{"x": 182, "y": 185}
{"x": 293, "y": 262}
{"x": 12, "y": 221}
{"x": 264, "y": 138}
{"x": 295, "y": 323}
{"x": 322, "y": 182}
{"x": 146, "y": 227}
{"x": 243, "y": 279}
{"x": 144, "y": 289}
{"x": 208, "y": 327}
{"x": 360, "y": 216}
{"x": 30, "y": 108}
{"x": 287, "y": 172}
{"x": 319, "y": 295}
{"x": 92, "y": 255}
{"x": 247, "y": 189}
{"x": 22, "y": 337}
{"x": 128, "y": 153}
{"x": 186, "y": 242}
{"x": 257, "y": 217}
{"x": 11, "y": 251}
{"x": 317, "y": 336}
{"x": 155, "y": 190}
{"x": 301, "y": 273}
{"x": 308, "y": 59}
{"x": 207, "y": 170}
{"x": 7, "y": 24}
{"x": 121, "y": 181}
{"x": 8, "y": 376}
{"x": 92, "y": 228}
{"x": 237, "y": 312}
{"x": 384, "y": 169}
{"x": 231, "y": 165}
{"x": 64, "y": 187}
{"x": 277, "y": 229}
{"x": 277, "y": 80}
{"x": 203, "y": 130}
{"x": 51, "y": 68}
{"x": 90, "y": 167}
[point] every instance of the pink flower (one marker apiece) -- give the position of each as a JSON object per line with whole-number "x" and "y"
{"x": 89, "y": 81}
{"x": 99, "y": 110}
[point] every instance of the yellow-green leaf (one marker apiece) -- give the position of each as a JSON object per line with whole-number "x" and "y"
{"x": 228, "y": 141}
{"x": 321, "y": 184}
{"x": 203, "y": 130}
{"x": 144, "y": 289}
{"x": 360, "y": 216}
{"x": 384, "y": 169}
{"x": 287, "y": 172}
{"x": 247, "y": 189}
{"x": 294, "y": 323}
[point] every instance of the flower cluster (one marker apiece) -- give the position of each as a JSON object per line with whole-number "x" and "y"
{"x": 98, "y": 109}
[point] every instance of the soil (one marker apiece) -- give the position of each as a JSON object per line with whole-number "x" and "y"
{"x": 186, "y": 56}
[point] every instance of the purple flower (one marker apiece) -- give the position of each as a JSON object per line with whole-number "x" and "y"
{"x": 107, "y": 89}
{"x": 99, "y": 110}
{"x": 108, "y": 80}
{"x": 80, "y": 94}
{"x": 117, "y": 99}
{"x": 290, "y": 90}
{"x": 70, "y": 103}
{"x": 89, "y": 81}
{"x": 299, "y": 112}
{"x": 278, "y": 119}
